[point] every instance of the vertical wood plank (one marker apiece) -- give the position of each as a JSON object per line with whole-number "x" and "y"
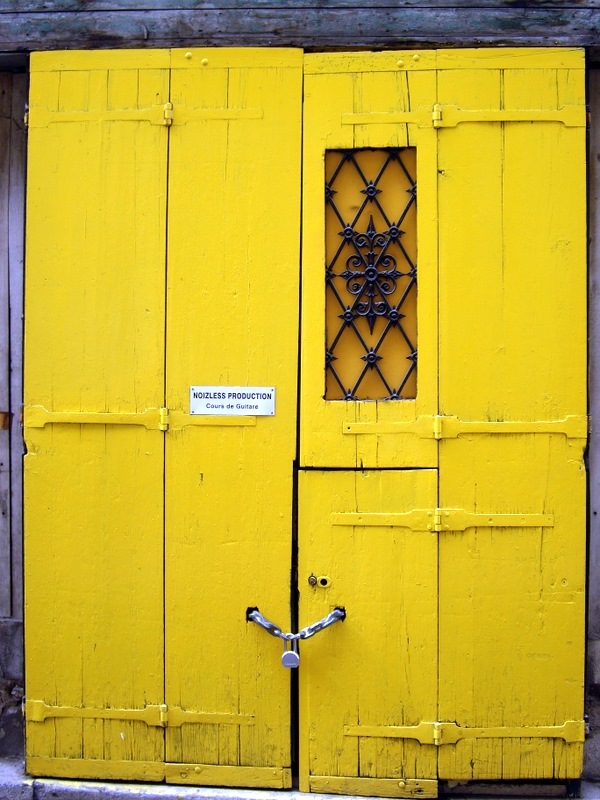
{"x": 512, "y": 347}
{"x": 5, "y": 498}
{"x": 16, "y": 238}
{"x": 232, "y": 319}
{"x": 95, "y": 342}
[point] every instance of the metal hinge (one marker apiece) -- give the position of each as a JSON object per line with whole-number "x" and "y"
{"x": 163, "y": 419}
{"x": 160, "y": 716}
{"x": 440, "y": 733}
{"x": 449, "y": 116}
{"x": 168, "y": 114}
{"x": 438, "y": 520}
{"x": 448, "y": 427}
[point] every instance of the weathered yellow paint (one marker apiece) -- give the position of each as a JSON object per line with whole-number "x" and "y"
{"x": 97, "y": 769}
{"x": 379, "y": 667}
{"x": 506, "y": 413}
{"x": 93, "y": 493}
{"x": 222, "y": 775}
{"x": 335, "y": 85}
{"x": 374, "y": 787}
{"x": 512, "y": 353}
{"x": 164, "y": 206}
{"x": 232, "y": 299}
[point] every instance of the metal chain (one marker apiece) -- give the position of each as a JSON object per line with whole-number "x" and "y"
{"x": 254, "y": 615}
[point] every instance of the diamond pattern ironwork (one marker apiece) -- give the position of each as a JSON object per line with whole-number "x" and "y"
{"x": 371, "y": 274}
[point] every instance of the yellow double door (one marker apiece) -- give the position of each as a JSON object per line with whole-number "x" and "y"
{"x": 172, "y": 197}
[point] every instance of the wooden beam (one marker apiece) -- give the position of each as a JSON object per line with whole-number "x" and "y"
{"x": 5, "y": 544}
{"x": 309, "y": 26}
{"x": 43, "y": 6}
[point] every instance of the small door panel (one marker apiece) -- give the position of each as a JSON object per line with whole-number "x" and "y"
{"x": 232, "y": 320}
{"x": 377, "y": 668}
{"x": 353, "y": 101}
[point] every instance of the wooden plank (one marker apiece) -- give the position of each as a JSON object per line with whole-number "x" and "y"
{"x": 315, "y": 27}
{"x": 16, "y": 226}
{"x": 512, "y": 638}
{"x": 5, "y": 560}
{"x": 41, "y": 6}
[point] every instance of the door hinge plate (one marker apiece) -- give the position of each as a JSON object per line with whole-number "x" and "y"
{"x": 151, "y": 418}
{"x": 438, "y": 520}
{"x": 449, "y": 116}
{"x": 441, "y": 733}
{"x": 161, "y": 715}
{"x": 448, "y": 427}
{"x": 155, "y": 115}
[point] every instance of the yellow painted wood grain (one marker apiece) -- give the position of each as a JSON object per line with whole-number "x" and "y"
{"x": 232, "y": 319}
{"x": 163, "y": 257}
{"x": 94, "y": 342}
{"x": 336, "y": 85}
{"x": 378, "y": 666}
{"x": 512, "y": 348}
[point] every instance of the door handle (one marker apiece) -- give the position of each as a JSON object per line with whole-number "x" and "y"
{"x": 291, "y": 657}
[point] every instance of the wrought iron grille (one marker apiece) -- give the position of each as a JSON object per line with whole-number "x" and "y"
{"x": 371, "y": 274}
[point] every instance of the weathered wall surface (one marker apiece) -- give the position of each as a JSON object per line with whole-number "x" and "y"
{"x": 54, "y": 24}
{"x": 12, "y": 202}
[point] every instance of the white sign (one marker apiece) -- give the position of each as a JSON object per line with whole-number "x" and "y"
{"x": 233, "y": 401}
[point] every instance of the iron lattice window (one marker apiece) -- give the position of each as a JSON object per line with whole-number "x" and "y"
{"x": 371, "y": 274}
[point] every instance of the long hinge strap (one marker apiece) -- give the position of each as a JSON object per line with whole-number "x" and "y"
{"x": 437, "y": 520}
{"x": 155, "y": 115}
{"x": 161, "y": 419}
{"x": 162, "y": 716}
{"x": 442, "y": 427}
{"x": 440, "y": 733}
{"x": 152, "y": 418}
{"x": 449, "y": 116}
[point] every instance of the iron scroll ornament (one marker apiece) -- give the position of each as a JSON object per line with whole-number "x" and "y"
{"x": 376, "y": 281}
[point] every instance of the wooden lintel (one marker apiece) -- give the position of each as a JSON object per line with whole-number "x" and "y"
{"x": 425, "y": 23}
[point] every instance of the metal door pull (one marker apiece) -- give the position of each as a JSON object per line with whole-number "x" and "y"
{"x": 291, "y": 657}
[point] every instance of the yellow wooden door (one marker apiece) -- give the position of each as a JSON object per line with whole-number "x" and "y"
{"x": 232, "y": 299}
{"x": 486, "y": 680}
{"x": 440, "y": 499}
{"x": 141, "y": 662}
{"x": 512, "y": 385}
{"x": 94, "y": 384}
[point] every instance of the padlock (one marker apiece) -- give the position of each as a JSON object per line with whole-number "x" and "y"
{"x": 291, "y": 657}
